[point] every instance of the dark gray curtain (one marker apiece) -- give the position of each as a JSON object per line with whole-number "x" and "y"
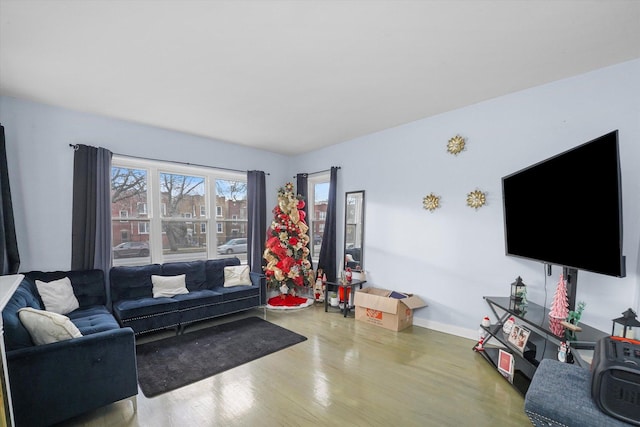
{"x": 9, "y": 256}
{"x": 91, "y": 212}
{"x": 327, "y": 259}
{"x": 302, "y": 188}
{"x": 257, "y": 220}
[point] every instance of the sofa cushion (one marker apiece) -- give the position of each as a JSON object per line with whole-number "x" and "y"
{"x": 94, "y": 319}
{"x": 198, "y": 298}
{"x": 131, "y": 282}
{"x": 16, "y": 335}
{"x": 235, "y": 292}
{"x": 194, "y": 271}
{"x": 168, "y": 286}
{"x": 57, "y": 295}
{"x": 236, "y": 275}
{"x": 127, "y": 309}
{"x": 215, "y": 271}
{"x": 46, "y": 327}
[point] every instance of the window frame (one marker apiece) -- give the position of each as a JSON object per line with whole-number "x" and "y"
{"x": 156, "y": 211}
{"x": 312, "y": 181}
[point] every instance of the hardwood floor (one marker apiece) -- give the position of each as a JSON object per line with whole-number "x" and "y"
{"x": 346, "y": 373}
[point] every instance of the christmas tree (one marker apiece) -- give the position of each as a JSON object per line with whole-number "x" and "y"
{"x": 286, "y": 250}
{"x": 560, "y": 303}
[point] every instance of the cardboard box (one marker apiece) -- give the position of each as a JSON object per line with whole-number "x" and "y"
{"x": 375, "y": 306}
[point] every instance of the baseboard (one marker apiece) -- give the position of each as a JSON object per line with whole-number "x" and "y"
{"x": 471, "y": 334}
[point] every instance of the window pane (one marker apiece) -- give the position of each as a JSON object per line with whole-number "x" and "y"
{"x": 128, "y": 203}
{"x": 319, "y": 215}
{"x": 181, "y": 239}
{"x": 181, "y": 195}
{"x": 128, "y": 191}
{"x": 231, "y": 209}
{"x": 131, "y": 243}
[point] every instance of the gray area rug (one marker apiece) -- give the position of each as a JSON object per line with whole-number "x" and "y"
{"x": 174, "y": 362}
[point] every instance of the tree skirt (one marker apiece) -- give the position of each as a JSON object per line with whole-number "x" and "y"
{"x": 288, "y": 302}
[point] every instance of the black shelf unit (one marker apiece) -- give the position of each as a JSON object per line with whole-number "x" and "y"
{"x": 542, "y": 342}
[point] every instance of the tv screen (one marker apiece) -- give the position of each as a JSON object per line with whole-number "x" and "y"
{"x": 567, "y": 210}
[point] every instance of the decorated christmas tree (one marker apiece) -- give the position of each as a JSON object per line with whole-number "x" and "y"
{"x": 286, "y": 250}
{"x": 560, "y": 303}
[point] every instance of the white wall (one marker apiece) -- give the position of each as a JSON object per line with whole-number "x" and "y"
{"x": 41, "y": 168}
{"x": 455, "y": 255}
{"x": 451, "y": 257}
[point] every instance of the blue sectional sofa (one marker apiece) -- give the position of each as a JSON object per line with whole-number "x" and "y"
{"x": 52, "y": 382}
{"x": 135, "y": 306}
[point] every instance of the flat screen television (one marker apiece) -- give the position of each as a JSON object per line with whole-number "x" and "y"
{"x": 567, "y": 210}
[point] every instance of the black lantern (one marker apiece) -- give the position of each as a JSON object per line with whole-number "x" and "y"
{"x": 518, "y": 290}
{"x": 622, "y": 325}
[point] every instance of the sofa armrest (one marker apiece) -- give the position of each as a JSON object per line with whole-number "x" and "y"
{"x": 259, "y": 279}
{"x": 53, "y": 382}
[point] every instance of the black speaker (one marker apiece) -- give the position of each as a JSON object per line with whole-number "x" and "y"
{"x": 615, "y": 378}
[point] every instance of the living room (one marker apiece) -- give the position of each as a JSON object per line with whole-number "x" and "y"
{"x": 450, "y": 257}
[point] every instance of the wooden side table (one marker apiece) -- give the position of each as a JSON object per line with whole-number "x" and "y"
{"x": 347, "y": 288}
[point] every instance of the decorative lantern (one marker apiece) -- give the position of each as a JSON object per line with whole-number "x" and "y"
{"x": 518, "y": 289}
{"x": 622, "y": 326}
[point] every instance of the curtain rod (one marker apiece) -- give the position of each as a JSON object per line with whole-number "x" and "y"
{"x": 322, "y": 171}
{"x": 75, "y": 147}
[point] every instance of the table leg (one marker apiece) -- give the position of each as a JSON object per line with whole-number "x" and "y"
{"x": 347, "y": 289}
{"x": 326, "y": 297}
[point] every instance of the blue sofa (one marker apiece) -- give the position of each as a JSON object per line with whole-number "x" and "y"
{"x": 134, "y": 305}
{"x": 560, "y": 396}
{"x": 53, "y": 382}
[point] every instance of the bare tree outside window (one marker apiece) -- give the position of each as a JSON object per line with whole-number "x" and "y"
{"x": 182, "y": 195}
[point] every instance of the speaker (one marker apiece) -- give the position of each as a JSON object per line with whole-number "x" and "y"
{"x": 615, "y": 378}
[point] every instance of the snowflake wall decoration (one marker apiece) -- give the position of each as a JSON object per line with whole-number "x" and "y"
{"x": 431, "y": 202}
{"x": 476, "y": 199}
{"x": 456, "y": 145}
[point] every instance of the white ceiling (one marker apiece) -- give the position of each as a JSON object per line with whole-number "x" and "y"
{"x": 294, "y": 76}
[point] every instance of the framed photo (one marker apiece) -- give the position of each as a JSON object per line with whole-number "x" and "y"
{"x": 519, "y": 337}
{"x": 505, "y": 364}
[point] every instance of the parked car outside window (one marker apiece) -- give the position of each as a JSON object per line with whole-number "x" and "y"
{"x": 233, "y": 246}
{"x": 131, "y": 249}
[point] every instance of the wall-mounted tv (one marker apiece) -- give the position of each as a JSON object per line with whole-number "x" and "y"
{"x": 567, "y": 210}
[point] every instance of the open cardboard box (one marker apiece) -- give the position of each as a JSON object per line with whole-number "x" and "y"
{"x": 375, "y": 306}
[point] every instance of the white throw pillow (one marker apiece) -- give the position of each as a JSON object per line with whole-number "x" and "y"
{"x": 168, "y": 286}
{"x": 237, "y": 275}
{"x": 58, "y": 296}
{"x": 46, "y": 327}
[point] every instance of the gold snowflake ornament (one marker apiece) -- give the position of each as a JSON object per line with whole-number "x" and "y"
{"x": 431, "y": 202}
{"x": 456, "y": 145}
{"x": 476, "y": 199}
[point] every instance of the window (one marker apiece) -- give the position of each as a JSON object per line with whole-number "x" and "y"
{"x": 166, "y": 206}
{"x": 318, "y": 193}
{"x": 143, "y": 227}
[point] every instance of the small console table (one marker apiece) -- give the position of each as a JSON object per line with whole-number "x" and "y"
{"x": 347, "y": 288}
{"x": 542, "y": 342}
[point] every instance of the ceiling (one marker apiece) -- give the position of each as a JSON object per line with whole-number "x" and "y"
{"x": 294, "y": 76}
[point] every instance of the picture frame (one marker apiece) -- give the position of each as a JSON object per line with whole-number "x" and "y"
{"x": 519, "y": 336}
{"x": 506, "y": 364}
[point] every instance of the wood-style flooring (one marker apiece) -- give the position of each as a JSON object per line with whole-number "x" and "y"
{"x": 347, "y": 373}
